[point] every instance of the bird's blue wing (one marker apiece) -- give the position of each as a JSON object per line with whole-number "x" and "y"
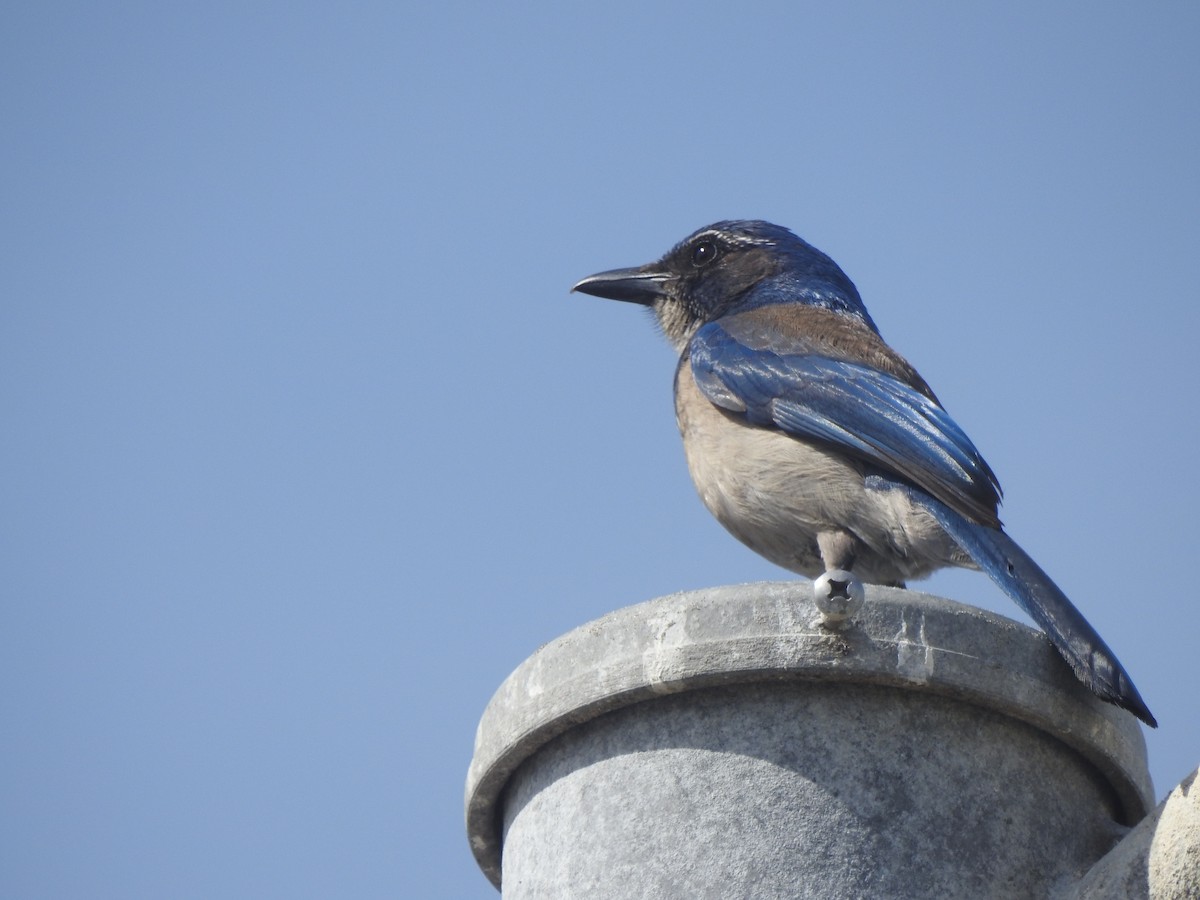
{"x": 855, "y": 407}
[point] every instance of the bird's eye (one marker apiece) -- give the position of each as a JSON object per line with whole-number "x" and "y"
{"x": 704, "y": 253}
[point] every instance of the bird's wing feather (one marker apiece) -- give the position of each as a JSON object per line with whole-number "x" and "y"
{"x": 854, "y": 406}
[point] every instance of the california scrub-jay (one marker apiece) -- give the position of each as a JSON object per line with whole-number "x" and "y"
{"x": 818, "y": 446}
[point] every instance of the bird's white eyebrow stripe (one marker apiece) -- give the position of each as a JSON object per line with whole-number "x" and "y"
{"x": 737, "y": 240}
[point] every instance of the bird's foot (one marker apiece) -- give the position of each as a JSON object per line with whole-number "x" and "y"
{"x": 839, "y": 595}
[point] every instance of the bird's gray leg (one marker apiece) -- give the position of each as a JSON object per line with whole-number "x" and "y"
{"x": 838, "y": 594}
{"x": 838, "y": 549}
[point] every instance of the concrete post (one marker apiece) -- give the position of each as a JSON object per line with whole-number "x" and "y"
{"x": 722, "y": 743}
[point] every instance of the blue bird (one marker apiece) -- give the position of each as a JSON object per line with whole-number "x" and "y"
{"x": 819, "y": 446}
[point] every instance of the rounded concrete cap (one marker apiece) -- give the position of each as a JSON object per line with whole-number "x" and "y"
{"x": 772, "y": 632}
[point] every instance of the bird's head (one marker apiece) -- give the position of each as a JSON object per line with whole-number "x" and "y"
{"x": 726, "y": 268}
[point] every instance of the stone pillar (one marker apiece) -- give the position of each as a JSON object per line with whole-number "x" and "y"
{"x": 722, "y": 743}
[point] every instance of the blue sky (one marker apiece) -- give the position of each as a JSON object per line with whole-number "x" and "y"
{"x": 307, "y": 446}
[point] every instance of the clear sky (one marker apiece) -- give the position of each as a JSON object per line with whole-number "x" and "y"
{"x": 306, "y": 446}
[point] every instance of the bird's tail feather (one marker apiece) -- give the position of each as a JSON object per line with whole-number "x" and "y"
{"x": 1024, "y": 581}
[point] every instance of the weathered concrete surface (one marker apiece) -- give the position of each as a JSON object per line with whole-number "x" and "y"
{"x": 1158, "y": 860}
{"x": 721, "y": 743}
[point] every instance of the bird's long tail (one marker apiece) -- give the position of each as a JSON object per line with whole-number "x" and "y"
{"x": 1024, "y": 581}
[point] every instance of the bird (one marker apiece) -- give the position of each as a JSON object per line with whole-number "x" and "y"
{"x": 820, "y": 447}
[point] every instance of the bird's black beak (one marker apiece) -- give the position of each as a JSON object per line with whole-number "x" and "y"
{"x": 642, "y": 285}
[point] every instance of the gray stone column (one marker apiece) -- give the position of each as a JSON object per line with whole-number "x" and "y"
{"x": 722, "y": 743}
